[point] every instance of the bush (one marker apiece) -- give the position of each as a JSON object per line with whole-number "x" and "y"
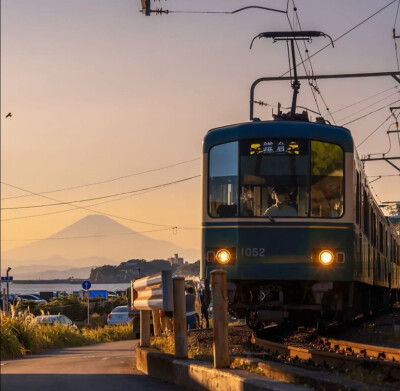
{"x": 20, "y": 335}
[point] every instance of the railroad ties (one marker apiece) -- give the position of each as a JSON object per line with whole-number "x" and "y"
{"x": 341, "y": 354}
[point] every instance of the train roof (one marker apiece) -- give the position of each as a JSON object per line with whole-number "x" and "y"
{"x": 277, "y": 129}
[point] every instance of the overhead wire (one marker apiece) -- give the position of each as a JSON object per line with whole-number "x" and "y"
{"x": 346, "y": 32}
{"x": 375, "y": 193}
{"x": 312, "y": 86}
{"x": 390, "y": 146}
{"x": 363, "y": 100}
{"x": 394, "y": 36}
{"x": 301, "y": 57}
{"x": 374, "y": 131}
{"x": 97, "y": 212}
{"x": 87, "y": 236}
{"x": 106, "y": 180}
{"x": 225, "y": 12}
{"x": 378, "y": 177}
{"x": 72, "y": 209}
{"x": 371, "y": 112}
{"x": 101, "y": 197}
{"x": 367, "y": 107}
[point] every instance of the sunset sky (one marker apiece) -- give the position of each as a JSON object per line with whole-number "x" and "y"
{"x": 99, "y": 91}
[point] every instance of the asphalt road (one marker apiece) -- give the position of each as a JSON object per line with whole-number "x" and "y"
{"x": 103, "y": 367}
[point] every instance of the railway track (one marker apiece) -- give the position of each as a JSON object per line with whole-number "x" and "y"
{"x": 339, "y": 354}
{"x": 362, "y": 350}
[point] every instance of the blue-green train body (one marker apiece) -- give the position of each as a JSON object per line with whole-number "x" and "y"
{"x": 288, "y": 213}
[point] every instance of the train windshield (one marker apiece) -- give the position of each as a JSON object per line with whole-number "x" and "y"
{"x": 276, "y": 178}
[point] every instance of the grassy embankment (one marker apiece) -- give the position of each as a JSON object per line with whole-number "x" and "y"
{"x": 19, "y": 335}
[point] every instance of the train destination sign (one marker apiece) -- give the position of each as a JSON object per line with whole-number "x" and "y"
{"x": 276, "y": 147}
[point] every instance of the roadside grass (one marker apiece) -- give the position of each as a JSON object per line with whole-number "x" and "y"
{"x": 19, "y": 335}
{"x": 166, "y": 344}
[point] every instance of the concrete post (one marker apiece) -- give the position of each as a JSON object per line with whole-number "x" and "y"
{"x": 181, "y": 349}
{"x": 144, "y": 328}
{"x": 220, "y": 319}
{"x": 156, "y": 323}
{"x": 8, "y": 290}
{"x": 88, "y": 307}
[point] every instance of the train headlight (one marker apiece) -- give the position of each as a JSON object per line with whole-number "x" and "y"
{"x": 223, "y": 256}
{"x": 326, "y": 257}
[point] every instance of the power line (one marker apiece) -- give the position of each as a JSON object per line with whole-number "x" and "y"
{"x": 367, "y": 107}
{"x": 160, "y": 11}
{"x": 344, "y": 34}
{"x": 88, "y": 236}
{"x": 93, "y": 211}
{"x": 99, "y": 198}
{"x": 394, "y": 36}
{"x": 105, "y": 181}
{"x": 382, "y": 176}
{"x": 72, "y": 209}
{"x": 371, "y": 112}
{"x": 388, "y": 151}
{"x": 363, "y": 100}
{"x": 312, "y": 86}
{"x": 301, "y": 57}
{"x": 375, "y": 130}
{"x": 378, "y": 177}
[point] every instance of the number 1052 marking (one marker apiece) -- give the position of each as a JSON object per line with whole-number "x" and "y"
{"x": 253, "y": 252}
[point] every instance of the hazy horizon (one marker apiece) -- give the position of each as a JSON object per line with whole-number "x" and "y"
{"x": 100, "y": 92}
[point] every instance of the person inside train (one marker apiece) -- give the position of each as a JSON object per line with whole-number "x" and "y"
{"x": 247, "y": 202}
{"x": 281, "y": 207}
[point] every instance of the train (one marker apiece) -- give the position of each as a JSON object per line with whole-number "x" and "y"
{"x": 288, "y": 213}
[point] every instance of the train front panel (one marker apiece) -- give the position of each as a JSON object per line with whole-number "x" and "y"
{"x": 278, "y": 215}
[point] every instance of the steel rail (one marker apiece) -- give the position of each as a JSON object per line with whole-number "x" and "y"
{"x": 379, "y": 352}
{"x": 349, "y": 359}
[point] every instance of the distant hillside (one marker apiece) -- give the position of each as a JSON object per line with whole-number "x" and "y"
{"x": 90, "y": 238}
{"x": 136, "y": 268}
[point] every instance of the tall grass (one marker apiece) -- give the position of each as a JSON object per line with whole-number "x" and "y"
{"x": 20, "y": 335}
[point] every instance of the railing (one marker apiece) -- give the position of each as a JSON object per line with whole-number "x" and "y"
{"x": 162, "y": 292}
{"x": 153, "y": 292}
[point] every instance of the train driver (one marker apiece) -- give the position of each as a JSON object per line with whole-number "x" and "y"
{"x": 281, "y": 207}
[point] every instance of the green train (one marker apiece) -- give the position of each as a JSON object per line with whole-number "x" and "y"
{"x": 288, "y": 213}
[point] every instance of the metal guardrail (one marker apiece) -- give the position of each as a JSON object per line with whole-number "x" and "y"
{"x": 153, "y": 292}
{"x": 161, "y": 292}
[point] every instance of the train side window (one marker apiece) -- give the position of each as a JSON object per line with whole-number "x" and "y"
{"x": 326, "y": 179}
{"x": 223, "y": 180}
{"x": 358, "y": 203}
{"x": 365, "y": 213}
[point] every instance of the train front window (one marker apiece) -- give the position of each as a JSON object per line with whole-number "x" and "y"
{"x": 223, "y": 180}
{"x": 326, "y": 179}
{"x": 274, "y": 177}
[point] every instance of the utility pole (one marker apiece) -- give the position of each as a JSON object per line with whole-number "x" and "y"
{"x": 8, "y": 288}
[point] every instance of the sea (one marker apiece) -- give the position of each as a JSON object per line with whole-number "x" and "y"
{"x": 26, "y": 289}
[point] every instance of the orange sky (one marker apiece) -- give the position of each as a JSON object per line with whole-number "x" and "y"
{"x": 98, "y": 91}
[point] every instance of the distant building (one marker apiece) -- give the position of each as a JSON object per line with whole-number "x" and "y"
{"x": 175, "y": 260}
